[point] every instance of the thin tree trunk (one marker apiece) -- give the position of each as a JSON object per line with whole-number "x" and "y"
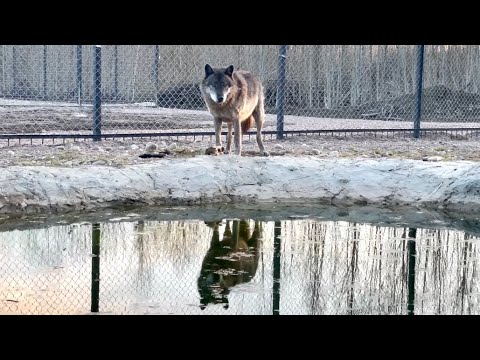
{"x": 339, "y": 92}
{"x": 328, "y": 78}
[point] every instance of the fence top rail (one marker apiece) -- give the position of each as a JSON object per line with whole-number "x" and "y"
{"x": 212, "y": 133}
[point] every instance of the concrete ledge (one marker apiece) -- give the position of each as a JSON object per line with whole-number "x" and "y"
{"x": 233, "y": 179}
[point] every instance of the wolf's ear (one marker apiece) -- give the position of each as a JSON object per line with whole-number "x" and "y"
{"x": 229, "y": 71}
{"x": 208, "y": 70}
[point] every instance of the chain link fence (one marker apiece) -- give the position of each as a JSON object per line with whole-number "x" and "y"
{"x": 285, "y": 267}
{"x": 114, "y": 89}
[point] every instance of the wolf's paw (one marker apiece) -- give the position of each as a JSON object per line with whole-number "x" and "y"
{"x": 264, "y": 153}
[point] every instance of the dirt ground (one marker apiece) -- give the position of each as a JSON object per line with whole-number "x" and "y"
{"x": 42, "y": 117}
{"x": 120, "y": 152}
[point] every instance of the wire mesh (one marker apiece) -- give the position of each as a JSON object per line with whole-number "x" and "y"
{"x": 287, "y": 267}
{"x": 49, "y": 89}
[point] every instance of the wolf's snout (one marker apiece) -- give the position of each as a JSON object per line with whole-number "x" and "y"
{"x": 220, "y": 99}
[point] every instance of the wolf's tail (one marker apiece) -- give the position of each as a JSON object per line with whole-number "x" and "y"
{"x": 247, "y": 124}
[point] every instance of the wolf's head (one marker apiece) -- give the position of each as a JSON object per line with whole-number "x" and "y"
{"x": 212, "y": 290}
{"x": 218, "y": 83}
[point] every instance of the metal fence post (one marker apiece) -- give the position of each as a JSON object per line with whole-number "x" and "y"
{"x": 45, "y": 72}
{"x": 97, "y": 93}
{"x": 115, "y": 72}
{"x": 282, "y": 61}
{"x": 79, "y": 75}
{"x": 156, "y": 64}
{"x": 412, "y": 253}
{"x": 276, "y": 267}
{"x": 95, "y": 289}
{"x": 418, "y": 106}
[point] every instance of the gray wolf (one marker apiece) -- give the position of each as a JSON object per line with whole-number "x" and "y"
{"x": 228, "y": 262}
{"x": 235, "y": 97}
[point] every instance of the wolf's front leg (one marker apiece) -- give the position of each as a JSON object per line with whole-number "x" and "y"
{"x": 237, "y": 138}
{"x": 229, "y": 138}
{"x": 218, "y": 133}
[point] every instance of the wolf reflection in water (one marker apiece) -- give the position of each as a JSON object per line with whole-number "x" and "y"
{"x": 228, "y": 262}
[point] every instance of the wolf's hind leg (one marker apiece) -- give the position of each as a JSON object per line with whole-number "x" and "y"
{"x": 259, "y": 115}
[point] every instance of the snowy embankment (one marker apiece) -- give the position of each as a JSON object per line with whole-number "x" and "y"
{"x": 228, "y": 178}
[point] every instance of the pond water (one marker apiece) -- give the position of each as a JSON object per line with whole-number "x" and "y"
{"x": 247, "y": 264}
